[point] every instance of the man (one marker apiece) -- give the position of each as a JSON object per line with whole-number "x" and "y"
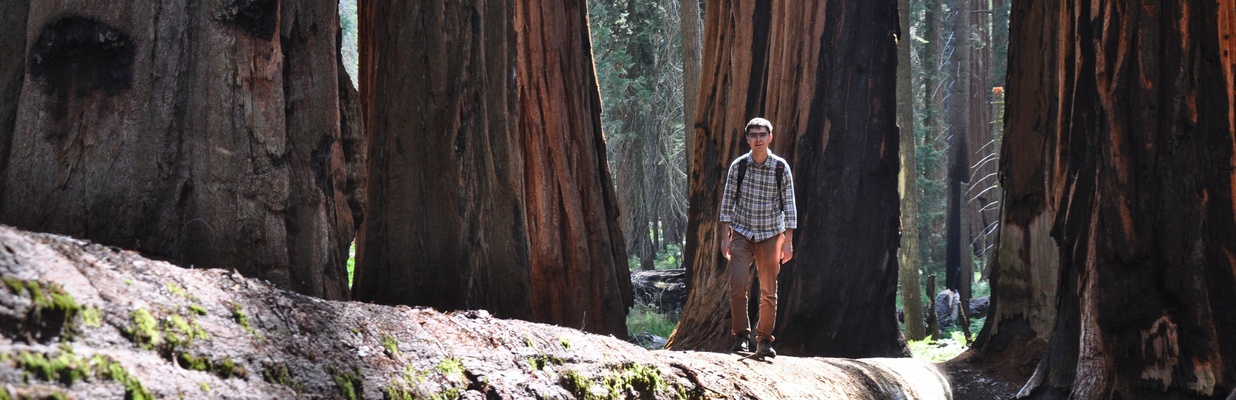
{"x": 758, "y": 218}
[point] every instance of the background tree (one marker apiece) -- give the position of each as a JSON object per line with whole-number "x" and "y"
{"x": 472, "y": 208}
{"x": 1143, "y": 200}
{"x": 907, "y": 255}
{"x": 638, "y": 51}
{"x": 207, "y": 135}
{"x": 841, "y": 139}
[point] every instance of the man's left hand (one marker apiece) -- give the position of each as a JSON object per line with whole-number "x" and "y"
{"x": 787, "y": 252}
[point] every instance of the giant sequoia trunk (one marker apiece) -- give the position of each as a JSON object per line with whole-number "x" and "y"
{"x": 1143, "y": 149}
{"x": 206, "y": 134}
{"x": 825, "y": 76}
{"x": 12, "y": 41}
{"x": 579, "y": 263}
{"x": 488, "y": 190}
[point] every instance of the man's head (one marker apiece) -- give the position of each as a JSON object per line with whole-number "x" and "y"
{"x": 758, "y": 133}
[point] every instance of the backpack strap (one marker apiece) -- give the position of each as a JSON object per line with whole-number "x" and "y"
{"x": 742, "y": 173}
{"x": 780, "y": 179}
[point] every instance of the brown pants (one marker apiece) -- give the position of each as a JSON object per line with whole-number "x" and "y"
{"x": 766, "y": 255}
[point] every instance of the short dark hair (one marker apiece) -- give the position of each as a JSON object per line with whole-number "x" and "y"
{"x": 757, "y": 121}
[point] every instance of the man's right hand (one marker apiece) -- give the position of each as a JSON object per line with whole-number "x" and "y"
{"x": 725, "y": 247}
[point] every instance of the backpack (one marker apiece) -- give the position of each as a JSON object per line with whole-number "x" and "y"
{"x": 742, "y": 173}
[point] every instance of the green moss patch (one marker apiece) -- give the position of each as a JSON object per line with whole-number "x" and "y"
{"x": 68, "y": 368}
{"x": 408, "y": 386}
{"x": 278, "y": 374}
{"x": 645, "y": 380}
{"x": 351, "y": 385}
{"x": 391, "y": 345}
{"x": 238, "y": 315}
{"x": 225, "y": 368}
{"x": 54, "y": 308}
{"x": 165, "y": 335}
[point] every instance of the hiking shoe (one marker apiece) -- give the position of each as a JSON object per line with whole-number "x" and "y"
{"x": 764, "y": 349}
{"x": 740, "y": 344}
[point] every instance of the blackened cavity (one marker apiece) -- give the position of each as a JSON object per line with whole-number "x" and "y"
{"x": 76, "y": 52}
{"x": 258, "y": 17}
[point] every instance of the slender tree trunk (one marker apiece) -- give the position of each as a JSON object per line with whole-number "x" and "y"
{"x": 1143, "y": 148}
{"x": 691, "y": 24}
{"x": 958, "y": 158}
{"x": 182, "y": 131}
{"x": 790, "y": 62}
{"x": 579, "y": 271}
{"x": 981, "y": 195}
{"x": 907, "y": 255}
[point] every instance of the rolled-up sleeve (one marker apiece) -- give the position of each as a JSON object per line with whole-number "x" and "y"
{"x": 791, "y": 209}
{"x": 727, "y": 195}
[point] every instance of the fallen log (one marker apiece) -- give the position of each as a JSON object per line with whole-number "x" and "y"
{"x": 88, "y": 321}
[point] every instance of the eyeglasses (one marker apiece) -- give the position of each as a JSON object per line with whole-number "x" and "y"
{"x": 757, "y": 135}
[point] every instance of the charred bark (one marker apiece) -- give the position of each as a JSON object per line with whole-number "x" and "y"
{"x": 12, "y": 70}
{"x": 841, "y": 139}
{"x": 1144, "y": 147}
{"x": 167, "y": 130}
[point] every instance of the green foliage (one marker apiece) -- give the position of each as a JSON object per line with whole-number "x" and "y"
{"x": 351, "y": 262}
{"x": 197, "y": 309}
{"x": 565, "y": 343}
{"x": 451, "y": 368}
{"x": 351, "y": 385}
{"x": 646, "y": 319}
{"x": 938, "y": 351}
{"x": 204, "y": 385}
{"x": 349, "y": 37}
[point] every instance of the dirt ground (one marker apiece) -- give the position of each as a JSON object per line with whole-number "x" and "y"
{"x": 992, "y": 377}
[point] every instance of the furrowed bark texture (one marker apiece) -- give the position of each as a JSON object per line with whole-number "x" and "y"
{"x": 447, "y": 226}
{"x": 692, "y": 27}
{"x": 579, "y": 262}
{"x": 825, "y": 75}
{"x": 12, "y": 68}
{"x": 489, "y": 185}
{"x": 1145, "y": 223}
{"x": 205, "y": 134}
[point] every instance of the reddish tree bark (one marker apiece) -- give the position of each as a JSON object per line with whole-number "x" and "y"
{"x": 1143, "y": 143}
{"x": 489, "y": 186}
{"x": 579, "y": 263}
{"x": 203, "y": 134}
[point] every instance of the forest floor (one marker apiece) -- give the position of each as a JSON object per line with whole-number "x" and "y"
{"x": 976, "y": 377}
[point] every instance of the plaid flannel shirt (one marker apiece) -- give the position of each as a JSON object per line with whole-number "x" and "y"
{"x": 756, "y": 214}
